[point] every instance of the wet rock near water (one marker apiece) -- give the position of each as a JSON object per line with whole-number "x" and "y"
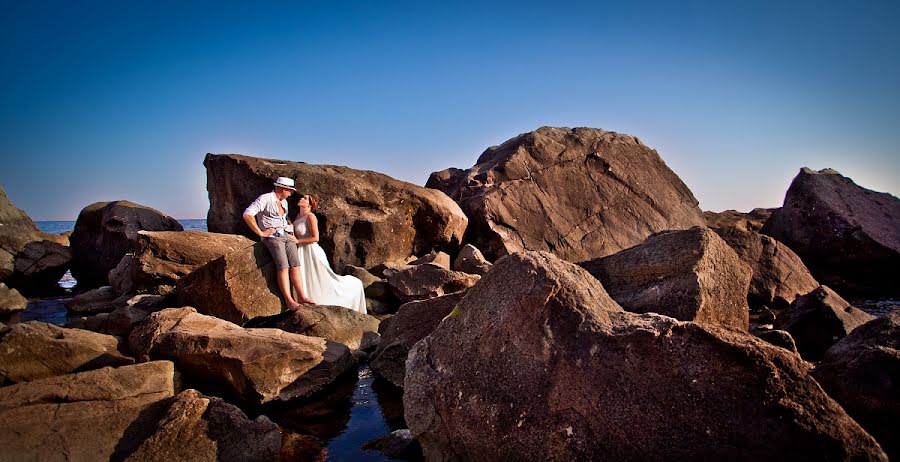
{"x": 100, "y": 300}
{"x": 11, "y": 300}
{"x": 557, "y": 371}
{"x": 365, "y": 217}
{"x": 333, "y": 323}
{"x": 818, "y": 320}
{"x": 413, "y": 322}
{"x": 106, "y": 231}
{"x": 778, "y": 275}
{"x": 847, "y": 235}
{"x": 118, "y": 322}
{"x": 862, "y": 373}
{"x": 691, "y": 275}
{"x": 255, "y": 365}
{"x": 162, "y": 257}
{"x": 580, "y": 193}
{"x": 34, "y": 350}
{"x": 96, "y": 415}
{"x": 399, "y": 444}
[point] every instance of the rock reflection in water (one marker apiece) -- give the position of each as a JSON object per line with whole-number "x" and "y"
{"x": 50, "y": 310}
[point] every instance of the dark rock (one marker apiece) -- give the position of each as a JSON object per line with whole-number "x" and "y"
{"x": 413, "y": 322}
{"x": 818, "y": 320}
{"x": 470, "y": 260}
{"x": 118, "y": 322}
{"x": 580, "y": 193}
{"x": 399, "y": 444}
{"x": 862, "y": 373}
{"x": 362, "y": 274}
{"x": 163, "y": 257}
{"x": 555, "y": 370}
{"x": 751, "y": 221}
{"x": 691, "y": 275}
{"x": 779, "y": 338}
{"x": 364, "y": 217}
{"x": 105, "y": 232}
{"x": 35, "y": 350}
{"x": 848, "y": 236}
{"x": 333, "y": 323}
{"x": 256, "y": 365}
{"x": 100, "y": 300}
{"x": 421, "y": 282}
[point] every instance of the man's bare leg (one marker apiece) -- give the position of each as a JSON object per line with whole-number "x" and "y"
{"x": 298, "y": 284}
{"x": 285, "y": 286}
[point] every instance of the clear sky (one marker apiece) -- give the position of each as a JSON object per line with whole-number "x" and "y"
{"x": 114, "y": 100}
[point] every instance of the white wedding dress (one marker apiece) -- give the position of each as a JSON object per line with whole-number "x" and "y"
{"x": 320, "y": 283}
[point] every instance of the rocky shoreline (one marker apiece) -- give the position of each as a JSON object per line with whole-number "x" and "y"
{"x": 563, "y": 298}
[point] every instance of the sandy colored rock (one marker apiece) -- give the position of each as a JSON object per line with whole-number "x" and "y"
{"x": 11, "y": 300}
{"x": 257, "y": 365}
{"x": 163, "y": 257}
{"x": 236, "y": 287}
{"x": 848, "y": 236}
{"x": 34, "y": 350}
{"x": 413, "y": 322}
{"x": 690, "y": 275}
{"x": 362, "y": 274}
{"x": 365, "y": 217}
{"x": 333, "y": 323}
{"x": 557, "y": 371}
{"x": 862, "y": 373}
{"x": 470, "y": 260}
{"x": 94, "y": 415}
{"x": 421, "y": 282}
{"x": 778, "y": 275}
{"x": 750, "y": 221}
{"x": 580, "y": 193}
{"x": 118, "y": 322}
{"x": 438, "y": 258}
{"x": 818, "y": 320}
{"x": 105, "y": 231}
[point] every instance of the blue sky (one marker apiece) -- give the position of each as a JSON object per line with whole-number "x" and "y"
{"x": 118, "y": 100}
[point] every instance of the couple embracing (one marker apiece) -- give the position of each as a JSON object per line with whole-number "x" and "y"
{"x": 299, "y": 260}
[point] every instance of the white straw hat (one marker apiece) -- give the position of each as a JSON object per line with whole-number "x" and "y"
{"x": 285, "y": 182}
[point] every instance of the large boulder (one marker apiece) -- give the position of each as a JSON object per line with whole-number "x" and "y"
{"x": 34, "y": 350}
{"x": 847, "y": 235}
{"x": 94, "y": 415}
{"x": 778, "y": 275}
{"x": 118, "y": 322}
{"x": 555, "y": 370}
{"x": 30, "y": 260}
{"x": 413, "y": 322}
{"x": 333, "y": 323}
{"x": 163, "y": 257}
{"x": 818, "y": 320}
{"x": 691, "y": 275}
{"x": 428, "y": 280}
{"x": 256, "y": 365}
{"x": 365, "y": 217}
{"x": 580, "y": 193}
{"x": 862, "y": 372}
{"x": 105, "y": 232}
{"x": 197, "y": 427}
{"x": 236, "y": 287}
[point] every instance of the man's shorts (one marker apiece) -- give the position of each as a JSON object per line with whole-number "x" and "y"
{"x": 283, "y": 250}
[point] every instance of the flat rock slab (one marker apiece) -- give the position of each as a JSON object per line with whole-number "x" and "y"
{"x": 256, "y": 365}
{"x": 421, "y": 282}
{"x": 333, "y": 323}
{"x": 557, "y": 371}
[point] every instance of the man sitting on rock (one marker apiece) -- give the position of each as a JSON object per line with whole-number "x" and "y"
{"x": 267, "y": 217}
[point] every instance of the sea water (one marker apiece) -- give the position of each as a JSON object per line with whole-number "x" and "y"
{"x": 366, "y": 418}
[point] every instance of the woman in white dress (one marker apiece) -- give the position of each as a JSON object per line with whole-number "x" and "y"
{"x": 319, "y": 282}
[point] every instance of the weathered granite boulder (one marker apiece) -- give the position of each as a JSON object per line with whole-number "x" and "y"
{"x": 580, "y": 193}
{"x": 333, "y": 323}
{"x": 197, "y": 427}
{"x": 413, "y": 322}
{"x": 438, "y": 258}
{"x": 862, "y": 372}
{"x": 30, "y": 260}
{"x": 163, "y": 257}
{"x": 362, "y": 274}
{"x": 100, "y": 300}
{"x": 780, "y": 338}
{"x": 11, "y": 300}
{"x": 365, "y": 217}
{"x": 470, "y": 260}
{"x": 34, "y": 350}
{"x": 848, "y": 236}
{"x": 236, "y": 287}
{"x": 421, "y": 282}
{"x": 557, "y": 371}
{"x": 691, "y": 275}
{"x": 256, "y": 365}
{"x": 750, "y": 221}
{"x": 778, "y": 275}
{"x": 118, "y": 322}
{"x": 105, "y": 232}
{"x": 818, "y": 320}
{"x": 94, "y": 415}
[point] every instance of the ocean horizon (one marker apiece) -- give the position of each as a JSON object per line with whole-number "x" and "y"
{"x": 60, "y": 227}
